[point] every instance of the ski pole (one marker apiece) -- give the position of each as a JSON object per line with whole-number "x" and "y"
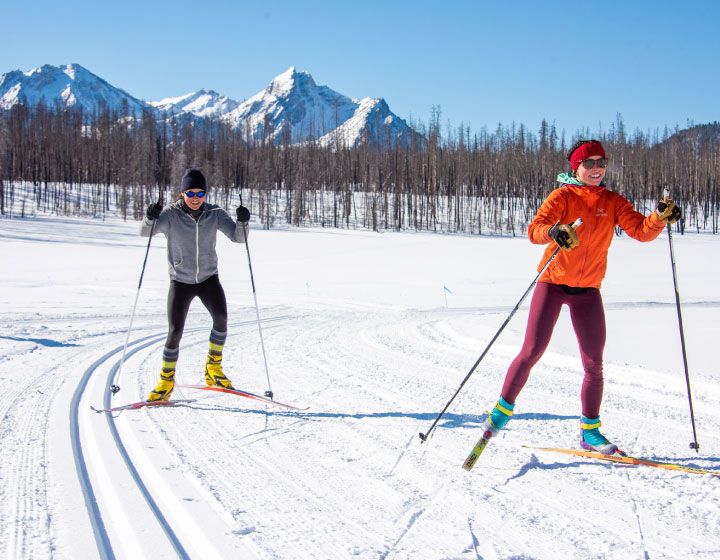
{"x": 269, "y": 392}
{"x": 693, "y": 444}
{"x": 115, "y": 388}
{"x": 424, "y": 437}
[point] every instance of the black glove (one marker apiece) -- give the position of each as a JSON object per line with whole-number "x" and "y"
{"x": 243, "y": 214}
{"x": 153, "y": 211}
{"x": 668, "y": 211}
{"x": 564, "y": 235}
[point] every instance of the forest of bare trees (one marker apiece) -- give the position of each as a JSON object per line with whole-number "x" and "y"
{"x": 446, "y": 178}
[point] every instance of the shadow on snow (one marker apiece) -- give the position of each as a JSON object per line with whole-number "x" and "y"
{"x": 41, "y": 341}
{"x": 449, "y": 420}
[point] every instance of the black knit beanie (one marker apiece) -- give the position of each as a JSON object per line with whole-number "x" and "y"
{"x": 193, "y": 179}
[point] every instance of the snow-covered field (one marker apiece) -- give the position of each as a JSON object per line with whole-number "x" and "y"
{"x": 357, "y": 329}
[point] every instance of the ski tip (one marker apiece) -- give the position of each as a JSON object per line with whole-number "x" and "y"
{"x": 475, "y": 453}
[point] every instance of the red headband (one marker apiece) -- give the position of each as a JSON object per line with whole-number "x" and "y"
{"x": 591, "y": 148}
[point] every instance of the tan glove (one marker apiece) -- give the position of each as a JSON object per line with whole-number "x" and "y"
{"x": 668, "y": 211}
{"x": 565, "y": 236}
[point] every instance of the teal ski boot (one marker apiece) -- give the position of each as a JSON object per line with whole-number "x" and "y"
{"x": 592, "y": 440}
{"x": 498, "y": 417}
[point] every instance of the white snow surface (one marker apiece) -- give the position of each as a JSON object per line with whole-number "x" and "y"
{"x": 357, "y": 329}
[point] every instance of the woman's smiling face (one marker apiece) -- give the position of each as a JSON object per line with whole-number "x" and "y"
{"x": 592, "y": 176}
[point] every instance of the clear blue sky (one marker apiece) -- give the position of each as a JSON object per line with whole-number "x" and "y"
{"x": 483, "y": 62}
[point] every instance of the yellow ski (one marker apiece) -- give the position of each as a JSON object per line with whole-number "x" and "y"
{"x": 475, "y": 453}
{"x": 626, "y": 459}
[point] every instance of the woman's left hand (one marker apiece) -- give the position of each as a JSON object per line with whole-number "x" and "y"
{"x": 668, "y": 211}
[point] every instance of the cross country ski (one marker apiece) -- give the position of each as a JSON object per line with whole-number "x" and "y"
{"x": 240, "y": 393}
{"x": 143, "y": 404}
{"x": 626, "y": 459}
{"x": 477, "y": 451}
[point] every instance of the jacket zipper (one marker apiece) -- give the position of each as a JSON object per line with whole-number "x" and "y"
{"x": 590, "y": 230}
{"x": 197, "y": 250}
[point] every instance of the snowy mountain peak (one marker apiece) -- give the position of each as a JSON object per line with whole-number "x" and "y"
{"x": 70, "y": 85}
{"x": 202, "y": 103}
{"x": 289, "y": 81}
{"x": 292, "y": 104}
{"x": 72, "y": 70}
{"x": 372, "y": 122}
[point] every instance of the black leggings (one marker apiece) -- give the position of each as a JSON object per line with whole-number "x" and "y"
{"x": 180, "y": 295}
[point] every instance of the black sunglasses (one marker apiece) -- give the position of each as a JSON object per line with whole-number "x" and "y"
{"x": 591, "y": 163}
{"x": 192, "y": 194}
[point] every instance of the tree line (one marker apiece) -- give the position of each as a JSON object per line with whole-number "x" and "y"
{"x": 443, "y": 178}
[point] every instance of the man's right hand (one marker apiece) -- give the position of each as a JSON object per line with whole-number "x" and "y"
{"x": 153, "y": 211}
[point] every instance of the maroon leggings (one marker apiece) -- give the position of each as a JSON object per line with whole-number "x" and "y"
{"x": 588, "y": 320}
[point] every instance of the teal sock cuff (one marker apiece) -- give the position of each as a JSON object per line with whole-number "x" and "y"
{"x": 506, "y": 404}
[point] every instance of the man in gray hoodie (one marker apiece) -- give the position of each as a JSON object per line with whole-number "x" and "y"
{"x": 190, "y": 226}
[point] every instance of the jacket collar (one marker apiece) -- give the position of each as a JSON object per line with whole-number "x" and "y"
{"x": 194, "y": 214}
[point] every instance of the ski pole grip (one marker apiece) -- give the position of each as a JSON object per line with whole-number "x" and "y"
{"x": 577, "y": 223}
{"x": 666, "y": 193}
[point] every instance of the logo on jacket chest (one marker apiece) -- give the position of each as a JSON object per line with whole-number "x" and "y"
{"x": 600, "y": 212}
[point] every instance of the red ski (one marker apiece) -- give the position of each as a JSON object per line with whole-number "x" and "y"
{"x": 143, "y": 404}
{"x": 240, "y": 393}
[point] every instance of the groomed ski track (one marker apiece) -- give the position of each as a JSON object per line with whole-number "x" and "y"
{"x": 412, "y": 487}
{"x": 130, "y": 508}
{"x": 349, "y": 478}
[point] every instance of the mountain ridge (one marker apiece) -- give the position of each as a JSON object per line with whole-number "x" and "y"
{"x": 291, "y": 106}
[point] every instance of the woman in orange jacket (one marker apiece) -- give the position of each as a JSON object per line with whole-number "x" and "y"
{"x": 574, "y": 279}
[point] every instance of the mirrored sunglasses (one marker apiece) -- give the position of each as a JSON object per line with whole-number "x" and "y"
{"x": 590, "y": 163}
{"x": 192, "y": 194}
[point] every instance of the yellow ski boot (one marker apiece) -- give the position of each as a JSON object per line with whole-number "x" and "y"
{"x": 164, "y": 388}
{"x": 214, "y": 376}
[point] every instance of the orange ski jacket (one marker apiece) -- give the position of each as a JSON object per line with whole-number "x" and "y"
{"x": 601, "y": 210}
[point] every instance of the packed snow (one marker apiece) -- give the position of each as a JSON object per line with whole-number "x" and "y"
{"x": 373, "y": 333}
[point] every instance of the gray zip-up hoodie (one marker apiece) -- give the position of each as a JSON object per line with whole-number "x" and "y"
{"x": 191, "y": 244}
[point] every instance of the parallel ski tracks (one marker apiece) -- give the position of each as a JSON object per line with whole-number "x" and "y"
{"x": 107, "y": 549}
{"x": 25, "y": 530}
{"x": 269, "y": 483}
{"x": 365, "y": 348}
